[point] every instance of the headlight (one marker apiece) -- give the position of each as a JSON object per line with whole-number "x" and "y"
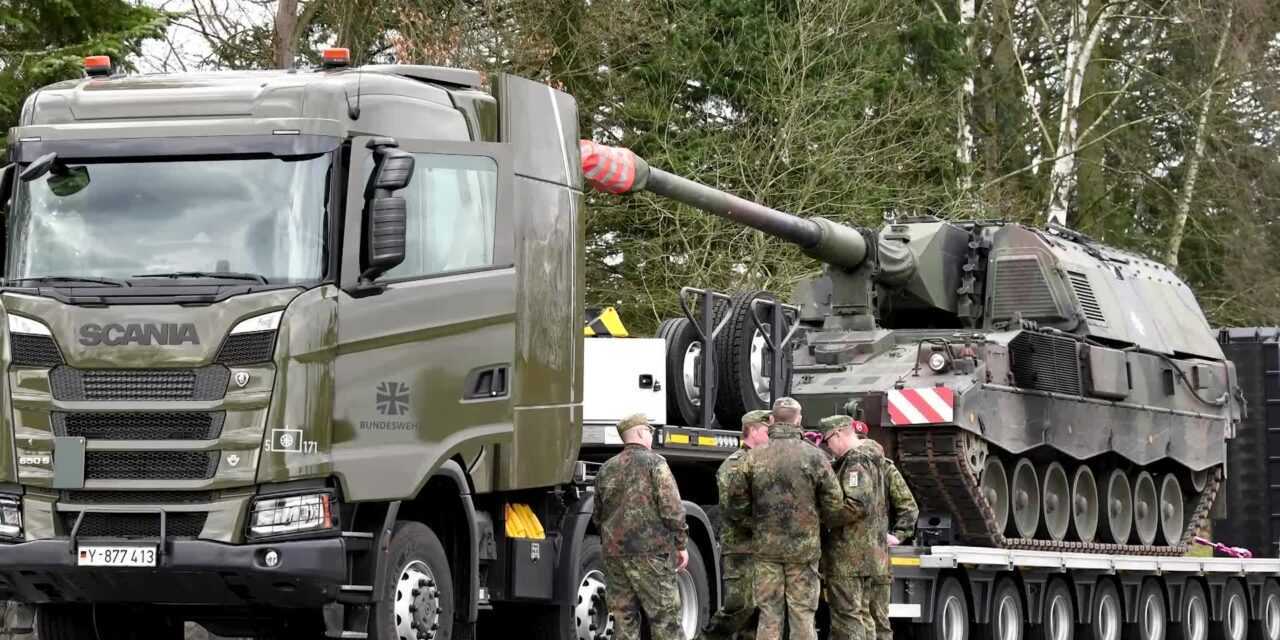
{"x": 264, "y": 322}
{"x": 19, "y": 324}
{"x": 10, "y": 517}
{"x": 937, "y": 362}
{"x": 292, "y": 514}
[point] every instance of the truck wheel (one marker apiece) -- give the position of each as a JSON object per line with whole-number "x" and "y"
{"x": 743, "y": 366}
{"x": 1106, "y": 613}
{"x": 1234, "y": 623}
{"x": 1057, "y": 614}
{"x": 591, "y": 611}
{"x": 417, "y": 597}
{"x": 64, "y": 622}
{"x": 695, "y": 594}
{"x": 1195, "y": 614}
{"x": 1267, "y": 626}
{"x": 684, "y": 394}
{"x": 1008, "y": 619}
{"x": 951, "y": 618}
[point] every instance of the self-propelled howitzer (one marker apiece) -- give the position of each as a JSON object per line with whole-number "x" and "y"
{"x": 1037, "y": 388}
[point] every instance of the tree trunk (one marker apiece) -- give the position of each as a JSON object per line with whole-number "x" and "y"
{"x": 964, "y": 130}
{"x": 1193, "y": 163}
{"x": 282, "y": 41}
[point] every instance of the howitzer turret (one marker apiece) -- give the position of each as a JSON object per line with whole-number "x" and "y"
{"x": 1037, "y": 388}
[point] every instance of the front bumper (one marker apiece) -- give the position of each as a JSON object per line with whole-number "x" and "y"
{"x": 189, "y": 572}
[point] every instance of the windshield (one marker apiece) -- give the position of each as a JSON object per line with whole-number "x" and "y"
{"x": 265, "y": 217}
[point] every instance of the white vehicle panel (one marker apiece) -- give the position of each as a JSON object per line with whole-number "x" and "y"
{"x": 622, "y": 376}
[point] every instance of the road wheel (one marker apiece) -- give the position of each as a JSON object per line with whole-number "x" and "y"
{"x": 1195, "y": 614}
{"x": 1267, "y": 626}
{"x": 1106, "y": 613}
{"x": 743, "y": 363}
{"x": 1008, "y": 618}
{"x": 1234, "y": 621}
{"x": 684, "y": 392}
{"x": 1153, "y": 613}
{"x": 1057, "y": 614}
{"x": 951, "y": 617}
{"x": 417, "y": 597}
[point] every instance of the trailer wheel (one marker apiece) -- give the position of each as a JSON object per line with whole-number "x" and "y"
{"x": 417, "y": 597}
{"x": 64, "y": 622}
{"x": 1106, "y": 613}
{"x": 684, "y": 392}
{"x": 1233, "y": 624}
{"x": 1267, "y": 626}
{"x": 1195, "y": 614}
{"x": 1153, "y": 613}
{"x": 1008, "y": 618}
{"x": 951, "y": 617}
{"x": 695, "y": 594}
{"x": 1057, "y": 614}
{"x": 743, "y": 366}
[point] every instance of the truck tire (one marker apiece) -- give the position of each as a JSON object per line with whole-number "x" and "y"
{"x": 683, "y": 405}
{"x": 1153, "y": 613}
{"x": 591, "y": 619}
{"x": 1193, "y": 622}
{"x": 1267, "y": 626}
{"x": 64, "y": 622}
{"x": 418, "y": 593}
{"x": 1233, "y": 623}
{"x": 1106, "y": 613}
{"x": 1057, "y": 614}
{"x": 952, "y": 619}
{"x": 1008, "y": 617}
{"x": 740, "y": 352}
{"x": 695, "y": 594}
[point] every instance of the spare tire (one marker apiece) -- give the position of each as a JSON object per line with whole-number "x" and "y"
{"x": 684, "y": 404}
{"x": 743, "y": 363}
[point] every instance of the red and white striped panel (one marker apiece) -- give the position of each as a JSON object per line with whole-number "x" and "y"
{"x": 926, "y": 405}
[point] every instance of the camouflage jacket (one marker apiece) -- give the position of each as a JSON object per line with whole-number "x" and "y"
{"x": 902, "y": 505}
{"x": 859, "y": 549}
{"x": 786, "y": 494}
{"x": 638, "y": 508}
{"x": 734, "y": 537}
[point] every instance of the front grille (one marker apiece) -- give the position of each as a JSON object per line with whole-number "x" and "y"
{"x": 34, "y": 351}
{"x": 136, "y": 497}
{"x": 247, "y": 348}
{"x": 134, "y": 525}
{"x": 140, "y": 425}
{"x": 149, "y": 465}
{"x": 1045, "y": 362}
{"x": 205, "y": 383}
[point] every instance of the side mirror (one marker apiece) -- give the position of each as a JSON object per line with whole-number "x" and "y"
{"x": 38, "y": 167}
{"x": 385, "y": 215}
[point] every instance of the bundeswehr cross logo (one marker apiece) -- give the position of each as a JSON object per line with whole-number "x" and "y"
{"x": 393, "y": 398}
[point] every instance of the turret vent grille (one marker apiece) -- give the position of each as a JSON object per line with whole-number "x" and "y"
{"x": 1045, "y": 362}
{"x": 1088, "y": 302}
{"x": 1019, "y": 286}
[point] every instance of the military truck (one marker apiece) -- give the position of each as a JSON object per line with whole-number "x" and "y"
{"x": 300, "y": 353}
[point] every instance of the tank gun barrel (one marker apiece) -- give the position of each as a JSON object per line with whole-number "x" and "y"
{"x": 620, "y": 171}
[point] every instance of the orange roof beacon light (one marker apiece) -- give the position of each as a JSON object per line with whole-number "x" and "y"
{"x": 97, "y": 66}
{"x": 336, "y": 57}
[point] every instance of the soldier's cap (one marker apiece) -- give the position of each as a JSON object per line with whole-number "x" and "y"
{"x": 759, "y": 416}
{"x": 786, "y": 402}
{"x": 831, "y": 424}
{"x": 632, "y": 421}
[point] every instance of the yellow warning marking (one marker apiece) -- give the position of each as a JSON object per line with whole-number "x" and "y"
{"x": 678, "y": 438}
{"x": 905, "y": 562}
{"x": 706, "y": 441}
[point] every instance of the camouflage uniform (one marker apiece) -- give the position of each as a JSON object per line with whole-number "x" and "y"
{"x": 853, "y": 552}
{"x": 899, "y": 502}
{"x": 737, "y": 616}
{"x": 788, "y": 491}
{"x": 642, "y": 521}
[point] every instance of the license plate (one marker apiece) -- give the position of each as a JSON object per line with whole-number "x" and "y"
{"x": 117, "y": 556}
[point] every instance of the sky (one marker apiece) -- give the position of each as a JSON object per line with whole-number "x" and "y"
{"x": 183, "y": 47}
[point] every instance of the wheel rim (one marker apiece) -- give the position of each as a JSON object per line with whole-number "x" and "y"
{"x": 1196, "y": 618}
{"x": 689, "y": 372}
{"x": 1025, "y": 499}
{"x": 1056, "y": 500}
{"x": 1152, "y": 618}
{"x": 688, "y": 603}
{"x": 417, "y": 604}
{"x": 591, "y": 614}
{"x": 1119, "y": 507}
{"x": 761, "y": 368}
{"x": 1171, "y": 509}
{"x": 1235, "y": 617}
{"x": 1146, "y": 519}
{"x": 953, "y": 619}
{"x": 1084, "y": 504}
{"x": 1058, "y": 617}
{"x": 1107, "y": 618}
{"x": 1271, "y": 617}
{"x": 995, "y": 487}
{"x": 1008, "y": 619}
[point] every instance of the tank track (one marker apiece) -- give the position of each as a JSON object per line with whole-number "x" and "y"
{"x": 932, "y": 460}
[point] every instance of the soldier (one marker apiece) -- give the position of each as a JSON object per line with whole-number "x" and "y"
{"x": 737, "y": 615}
{"x": 898, "y": 501}
{"x": 641, "y": 520}
{"x": 852, "y": 553}
{"x": 787, "y": 493}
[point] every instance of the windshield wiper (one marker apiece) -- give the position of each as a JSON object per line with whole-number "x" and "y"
{"x": 226, "y": 275}
{"x": 111, "y": 282}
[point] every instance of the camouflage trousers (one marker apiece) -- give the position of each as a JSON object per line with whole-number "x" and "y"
{"x": 787, "y": 593}
{"x": 643, "y": 584}
{"x": 848, "y": 604}
{"x": 737, "y": 617}
{"x": 876, "y": 594}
